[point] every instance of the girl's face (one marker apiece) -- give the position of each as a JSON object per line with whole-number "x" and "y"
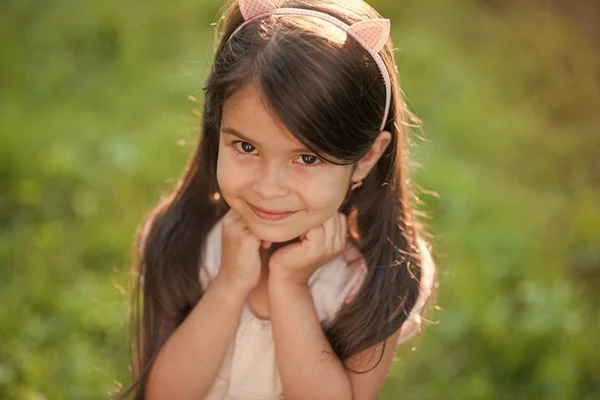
{"x": 278, "y": 186}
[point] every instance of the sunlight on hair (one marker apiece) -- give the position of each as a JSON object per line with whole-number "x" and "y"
{"x": 328, "y": 30}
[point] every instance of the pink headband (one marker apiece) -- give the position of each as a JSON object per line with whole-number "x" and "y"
{"x": 372, "y": 34}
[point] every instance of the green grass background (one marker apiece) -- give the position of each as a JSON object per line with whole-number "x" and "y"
{"x": 95, "y": 125}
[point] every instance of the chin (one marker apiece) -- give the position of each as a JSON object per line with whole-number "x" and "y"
{"x": 276, "y": 234}
{"x": 274, "y": 231}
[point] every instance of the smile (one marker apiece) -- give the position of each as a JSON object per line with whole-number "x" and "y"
{"x": 270, "y": 215}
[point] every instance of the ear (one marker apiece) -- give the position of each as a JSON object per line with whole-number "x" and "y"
{"x": 372, "y": 33}
{"x": 253, "y": 8}
{"x": 366, "y": 163}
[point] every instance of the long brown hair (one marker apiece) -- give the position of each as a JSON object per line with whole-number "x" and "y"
{"x": 330, "y": 95}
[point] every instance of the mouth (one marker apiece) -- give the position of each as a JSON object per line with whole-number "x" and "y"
{"x": 270, "y": 215}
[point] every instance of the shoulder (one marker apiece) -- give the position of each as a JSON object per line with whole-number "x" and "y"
{"x": 412, "y": 326}
{"x": 336, "y": 282}
{"x": 369, "y": 384}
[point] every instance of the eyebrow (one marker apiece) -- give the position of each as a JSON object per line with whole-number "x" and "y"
{"x": 237, "y": 133}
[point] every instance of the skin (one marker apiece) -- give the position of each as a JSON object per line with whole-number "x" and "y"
{"x": 272, "y": 176}
{"x": 260, "y": 163}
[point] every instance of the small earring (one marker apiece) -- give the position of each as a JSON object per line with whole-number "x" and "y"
{"x": 356, "y": 184}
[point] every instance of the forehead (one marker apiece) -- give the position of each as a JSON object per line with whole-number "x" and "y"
{"x": 247, "y": 112}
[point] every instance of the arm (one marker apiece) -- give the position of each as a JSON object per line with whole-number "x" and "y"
{"x": 308, "y": 367}
{"x": 307, "y": 364}
{"x": 368, "y": 386}
{"x": 189, "y": 361}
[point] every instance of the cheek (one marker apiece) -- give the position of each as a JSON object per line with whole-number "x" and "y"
{"x": 326, "y": 192}
{"x": 230, "y": 176}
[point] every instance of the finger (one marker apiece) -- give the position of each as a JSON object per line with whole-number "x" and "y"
{"x": 243, "y": 225}
{"x": 337, "y": 241}
{"x": 240, "y": 223}
{"x": 343, "y": 231}
{"x": 236, "y": 223}
{"x": 229, "y": 216}
{"x": 330, "y": 230}
{"x": 240, "y": 228}
{"x": 316, "y": 234}
{"x": 314, "y": 241}
{"x": 266, "y": 244}
{"x": 337, "y": 238}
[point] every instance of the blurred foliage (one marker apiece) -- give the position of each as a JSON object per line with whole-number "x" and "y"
{"x": 95, "y": 124}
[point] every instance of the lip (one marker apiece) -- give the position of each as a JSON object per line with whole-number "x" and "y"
{"x": 270, "y": 215}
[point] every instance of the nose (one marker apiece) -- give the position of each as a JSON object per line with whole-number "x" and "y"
{"x": 271, "y": 182}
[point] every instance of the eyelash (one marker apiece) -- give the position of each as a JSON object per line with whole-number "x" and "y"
{"x": 234, "y": 145}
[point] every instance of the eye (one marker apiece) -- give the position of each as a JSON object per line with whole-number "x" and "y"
{"x": 308, "y": 159}
{"x": 244, "y": 147}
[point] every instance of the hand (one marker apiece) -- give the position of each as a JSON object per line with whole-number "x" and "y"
{"x": 240, "y": 259}
{"x": 296, "y": 262}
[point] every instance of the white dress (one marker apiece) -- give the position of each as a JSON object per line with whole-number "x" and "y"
{"x": 249, "y": 370}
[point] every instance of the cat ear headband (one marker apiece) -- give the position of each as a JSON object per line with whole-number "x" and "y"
{"x": 372, "y": 34}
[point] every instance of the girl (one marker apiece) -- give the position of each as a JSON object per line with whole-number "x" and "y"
{"x": 288, "y": 262}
